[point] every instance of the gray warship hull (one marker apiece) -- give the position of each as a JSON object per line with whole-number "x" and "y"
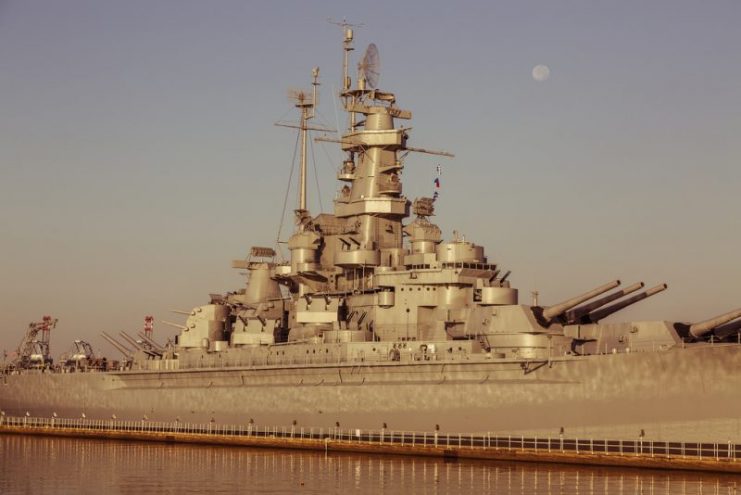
{"x": 679, "y": 394}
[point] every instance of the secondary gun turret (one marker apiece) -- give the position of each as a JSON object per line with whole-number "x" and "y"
{"x": 551, "y": 313}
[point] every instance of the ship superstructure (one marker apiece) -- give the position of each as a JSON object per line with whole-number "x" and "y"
{"x": 366, "y": 274}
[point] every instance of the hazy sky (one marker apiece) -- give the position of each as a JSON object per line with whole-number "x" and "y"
{"x": 138, "y": 155}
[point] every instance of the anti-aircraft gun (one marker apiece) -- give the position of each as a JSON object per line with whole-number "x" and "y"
{"x": 33, "y": 351}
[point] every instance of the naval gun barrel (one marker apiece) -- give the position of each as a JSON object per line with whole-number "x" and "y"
{"x": 137, "y": 345}
{"x": 131, "y": 341}
{"x": 577, "y": 314}
{"x": 727, "y": 330}
{"x": 697, "y": 330}
{"x": 119, "y": 346}
{"x": 155, "y": 346}
{"x": 176, "y": 325}
{"x": 601, "y": 313}
{"x": 552, "y": 312}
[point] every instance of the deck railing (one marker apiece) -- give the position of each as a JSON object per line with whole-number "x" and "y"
{"x": 702, "y": 450}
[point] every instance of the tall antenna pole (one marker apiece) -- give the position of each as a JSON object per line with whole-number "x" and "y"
{"x": 307, "y": 112}
{"x": 302, "y": 185}
{"x": 346, "y": 80}
{"x": 348, "y": 33}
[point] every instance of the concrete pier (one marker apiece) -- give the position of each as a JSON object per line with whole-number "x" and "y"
{"x": 695, "y": 457}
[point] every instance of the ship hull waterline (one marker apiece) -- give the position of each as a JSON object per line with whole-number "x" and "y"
{"x": 675, "y": 395}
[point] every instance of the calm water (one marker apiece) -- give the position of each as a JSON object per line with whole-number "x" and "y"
{"x": 40, "y": 465}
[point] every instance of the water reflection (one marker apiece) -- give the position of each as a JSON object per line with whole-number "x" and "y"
{"x": 54, "y": 465}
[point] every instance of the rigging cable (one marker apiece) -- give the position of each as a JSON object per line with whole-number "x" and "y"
{"x": 285, "y": 199}
{"x": 316, "y": 176}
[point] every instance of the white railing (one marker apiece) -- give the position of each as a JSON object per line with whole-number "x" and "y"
{"x": 717, "y": 451}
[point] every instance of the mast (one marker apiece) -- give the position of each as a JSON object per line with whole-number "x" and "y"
{"x": 305, "y": 242}
{"x": 307, "y": 107}
{"x": 346, "y": 94}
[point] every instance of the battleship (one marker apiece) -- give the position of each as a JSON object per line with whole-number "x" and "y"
{"x": 374, "y": 321}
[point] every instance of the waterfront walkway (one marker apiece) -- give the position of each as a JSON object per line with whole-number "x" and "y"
{"x": 714, "y": 457}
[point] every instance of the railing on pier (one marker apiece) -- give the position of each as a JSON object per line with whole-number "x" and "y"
{"x": 717, "y": 451}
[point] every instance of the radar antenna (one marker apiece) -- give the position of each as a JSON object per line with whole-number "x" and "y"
{"x": 344, "y": 23}
{"x": 347, "y": 30}
{"x": 369, "y": 69}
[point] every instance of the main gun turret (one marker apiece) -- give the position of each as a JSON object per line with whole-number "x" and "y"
{"x": 551, "y": 313}
{"x": 580, "y": 314}
{"x": 601, "y": 313}
{"x": 700, "y": 329}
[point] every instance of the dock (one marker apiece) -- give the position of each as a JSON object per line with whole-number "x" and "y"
{"x": 708, "y": 457}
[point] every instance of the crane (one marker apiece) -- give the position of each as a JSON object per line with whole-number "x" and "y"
{"x": 33, "y": 352}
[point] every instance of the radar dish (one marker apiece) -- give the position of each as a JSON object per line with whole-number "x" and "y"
{"x": 369, "y": 69}
{"x": 300, "y": 96}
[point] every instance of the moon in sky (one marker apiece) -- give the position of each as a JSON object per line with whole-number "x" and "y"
{"x": 541, "y": 73}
